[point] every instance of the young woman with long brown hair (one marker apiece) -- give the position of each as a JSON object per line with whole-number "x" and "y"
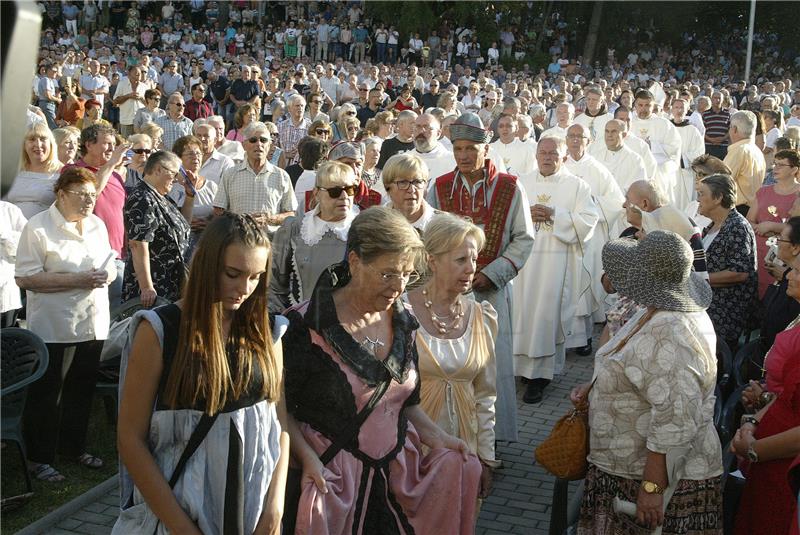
{"x": 210, "y": 355}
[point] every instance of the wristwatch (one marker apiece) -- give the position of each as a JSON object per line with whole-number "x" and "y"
{"x": 748, "y": 419}
{"x": 651, "y": 488}
{"x": 752, "y": 456}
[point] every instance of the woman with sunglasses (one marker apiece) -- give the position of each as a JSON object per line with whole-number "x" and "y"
{"x": 321, "y": 129}
{"x": 372, "y": 460}
{"x": 141, "y": 147}
{"x": 304, "y": 246}
{"x": 65, "y": 263}
{"x": 150, "y": 112}
{"x": 345, "y": 112}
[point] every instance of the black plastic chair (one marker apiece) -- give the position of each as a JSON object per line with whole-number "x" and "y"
{"x": 24, "y": 361}
{"x": 749, "y": 362}
{"x": 718, "y": 406}
{"x": 732, "y": 488}
{"x": 725, "y": 378}
{"x": 732, "y": 412}
{"x": 107, "y": 386}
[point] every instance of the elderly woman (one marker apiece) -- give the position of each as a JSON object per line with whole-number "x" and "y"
{"x": 68, "y": 139}
{"x": 385, "y": 121}
{"x": 190, "y": 150}
{"x": 322, "y": 129}
{"x": 731, "y": 254}
{"x": 305, "y": 246}
{"x": 351, "y": 127}
{"x": 455, "y": 341}
{"x": 65, "y": 263}
{"x": 158, "y": 233}
{"x": 652, "y": 402}
{"x": 141, "y": 147}
{"x": 32, "y": 190}
{"x": 771, "y": 206}
{"x": 405, "y": 177}
{"x": 156, "y": 134}
{"x": 770, "y": 440}
{"x": 371, "y": 175}
{"x": 92, "y": 115}
{"x": 345, "y": 112}
{"x": 352, "y": 346}
{"x": 150, "y": 112}
{"x": 703, "y": 166}
{"x": 275, "y": 156}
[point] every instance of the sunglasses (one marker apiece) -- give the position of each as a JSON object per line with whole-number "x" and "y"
{"x": 141, "y": 151}
{"x": 255, "y": 139}
{"x": 322, "y": 132}
{"x": 336, "y": 192}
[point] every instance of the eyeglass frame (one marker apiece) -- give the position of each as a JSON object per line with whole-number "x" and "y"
{"x": 83, "y": 194}
{"x": 341, "y": 189}
{"x": 420, "y": 184}
{"x": 388, "y": 278}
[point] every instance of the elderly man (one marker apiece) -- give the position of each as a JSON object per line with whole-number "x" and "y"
{"x": 214, "y": 163}
{"x": 439, "y": 160}
{"x": 403, "y": 141}
{"x": 744, "y": 159}
{"x": 497, "y": 203}
{"x": 518, "y": 157}
{"x": 565, "y": 112}
{"x": 692, "y": 146}
{"x": 526, "y": 131}
{"x": 94, "y": 86}
{"x": 609, "y": 198}
{"x": 255, "y": 186}
{"x": 637, "y": 145}
{"x": 174, "y": 123}
{"x": 294, "y": 128}
{"x": 624, "y": 164}
{"x": 596, "y": 115}
{"x": 663, "y": 138}
{"x": 198, "y": 107}
{"x": 170, "y": 81}
{"x": 550, "y": 286}
{"x": 228, "y": 147}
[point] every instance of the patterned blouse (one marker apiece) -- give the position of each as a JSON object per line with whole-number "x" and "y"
{"x": 656, "y": 393}
{"x": 153, "y": 218}
{"x": 733, "y": 249}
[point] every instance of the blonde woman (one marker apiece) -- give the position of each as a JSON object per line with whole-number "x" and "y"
{"x": 455, "y": 341}
{"x": 32, "y": 190}
{"x": 155, "y": 133}
{"x": 405, "y": 178}
{"x": 346, "y": 111}
{"x": 68, "y": 139}
{"x": 351, "y": 127}
{"x": 180, "y": 363}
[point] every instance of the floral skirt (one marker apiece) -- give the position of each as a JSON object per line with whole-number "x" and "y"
{"x": 695, "y": 508}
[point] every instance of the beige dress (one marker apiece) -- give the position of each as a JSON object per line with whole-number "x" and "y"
{"x": 458, "y": 389}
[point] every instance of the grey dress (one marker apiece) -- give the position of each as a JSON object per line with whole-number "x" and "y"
{"x": 223, "y": 485}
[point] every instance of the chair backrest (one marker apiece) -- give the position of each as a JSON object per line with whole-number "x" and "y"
{"x": 748, "y": 363}
{"x": 24, "y": 360}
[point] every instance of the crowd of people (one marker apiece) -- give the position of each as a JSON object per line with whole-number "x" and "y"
{"x": 364, "y": 238}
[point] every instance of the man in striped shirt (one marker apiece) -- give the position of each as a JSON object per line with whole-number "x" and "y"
{"x": 717, "y": 122}
{"x": 174, "y": 123}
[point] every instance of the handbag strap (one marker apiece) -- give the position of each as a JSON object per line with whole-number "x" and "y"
{"x": 350, "y": 431}
{"x": 198, "y": 435}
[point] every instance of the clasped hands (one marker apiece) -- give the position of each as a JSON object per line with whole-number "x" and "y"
{"x": 541, "y": 213}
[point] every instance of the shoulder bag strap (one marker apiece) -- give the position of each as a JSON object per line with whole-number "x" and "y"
{"x": 197, "y": 437}
{"x": 352, "y": 430}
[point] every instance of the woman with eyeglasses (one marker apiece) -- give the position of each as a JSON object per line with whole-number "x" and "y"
{"x": 304, "y": 246}
{"x": 65, "y": 263}
{"x": 158, "y": 233}
{"x": 405, "y": 177}
{"x": 141, "y": 147}
{"x": 371, "y": 460}
{"x": 320, "y": 129}
{"x": 771, "y": 206}
{"x": 190, "y": 150}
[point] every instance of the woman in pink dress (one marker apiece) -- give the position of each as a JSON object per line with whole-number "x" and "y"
{"x": 772, "y": 206}
{"x": 352, "y": 346}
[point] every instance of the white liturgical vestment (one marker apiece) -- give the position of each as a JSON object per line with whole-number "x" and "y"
{"x": 626, "y": 166}
{"x": 692, "y": 146}
{"x": 440, "y": 161}
{"x": 642, "y": 149}
{"x": 519, "y": 157}
{"x": 665, "y": 144}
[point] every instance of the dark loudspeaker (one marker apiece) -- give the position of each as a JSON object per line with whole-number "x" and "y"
{"x": 19, "y": 46}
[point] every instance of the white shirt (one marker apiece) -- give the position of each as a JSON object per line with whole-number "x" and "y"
{"x": 518, "y": 156}
{"x": 215, "y": 166}
{"x": 51, "y": 244}
{"x": 11, "y": 224}
{"x": 128, "y": 109}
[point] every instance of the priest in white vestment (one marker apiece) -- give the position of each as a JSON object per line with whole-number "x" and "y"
{"x": 637, "y": 145}
{"x": 664, "y": 141}
{"x": 519, "y": 157}
{"x": 549, "y": 287}
{"x": 565, "y": 112}
{"x": 437, "y": 158}
{"x": 596, "y": 115}
{"x": 692, "y": 146}
{"x": 626, "y": 166}
{"x": 609, "y": 198}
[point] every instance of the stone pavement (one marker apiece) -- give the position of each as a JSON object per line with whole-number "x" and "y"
{"x": 520, "y": 500}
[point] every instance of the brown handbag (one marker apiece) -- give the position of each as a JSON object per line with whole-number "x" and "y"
{"x": 563, "y": 453}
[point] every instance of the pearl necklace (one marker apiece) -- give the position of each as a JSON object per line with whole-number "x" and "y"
{"x": 447, "y": 322}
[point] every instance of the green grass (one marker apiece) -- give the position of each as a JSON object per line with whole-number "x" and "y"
{"x": 101, "y": 441}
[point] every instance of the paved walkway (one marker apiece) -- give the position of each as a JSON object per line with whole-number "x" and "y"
{"x": 520, "y": 500}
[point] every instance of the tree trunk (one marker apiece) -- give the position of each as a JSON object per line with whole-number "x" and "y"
{"x": 594, "y": 29}
{"x": 548, "y": 9}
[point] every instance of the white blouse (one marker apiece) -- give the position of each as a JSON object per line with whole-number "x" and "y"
{"x": 32, "y": 192}
{"x": 51, "y": 244}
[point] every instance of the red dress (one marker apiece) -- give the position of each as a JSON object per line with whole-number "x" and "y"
{"x": 768, "y": 505}
{"x": 775, "y": 207}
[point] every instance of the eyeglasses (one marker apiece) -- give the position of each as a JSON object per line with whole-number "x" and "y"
{"x": 255, "y": 139}
{"x": 336, "y": 192}
{"x": 141, "y": 151}
{"x": 417, "y": 183}
{"x": 86, "y": 196}
{"x": 781, "y": 240}
{"x": 322, "y": 132}
{"x": 576, "y": 136}
{"x": 178, "y": 104}
{"x": 404, "y": 278}
{"x": 172, "y": 172}
{"x": 192, "y": 154}
{"x": 782, "y": 165}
